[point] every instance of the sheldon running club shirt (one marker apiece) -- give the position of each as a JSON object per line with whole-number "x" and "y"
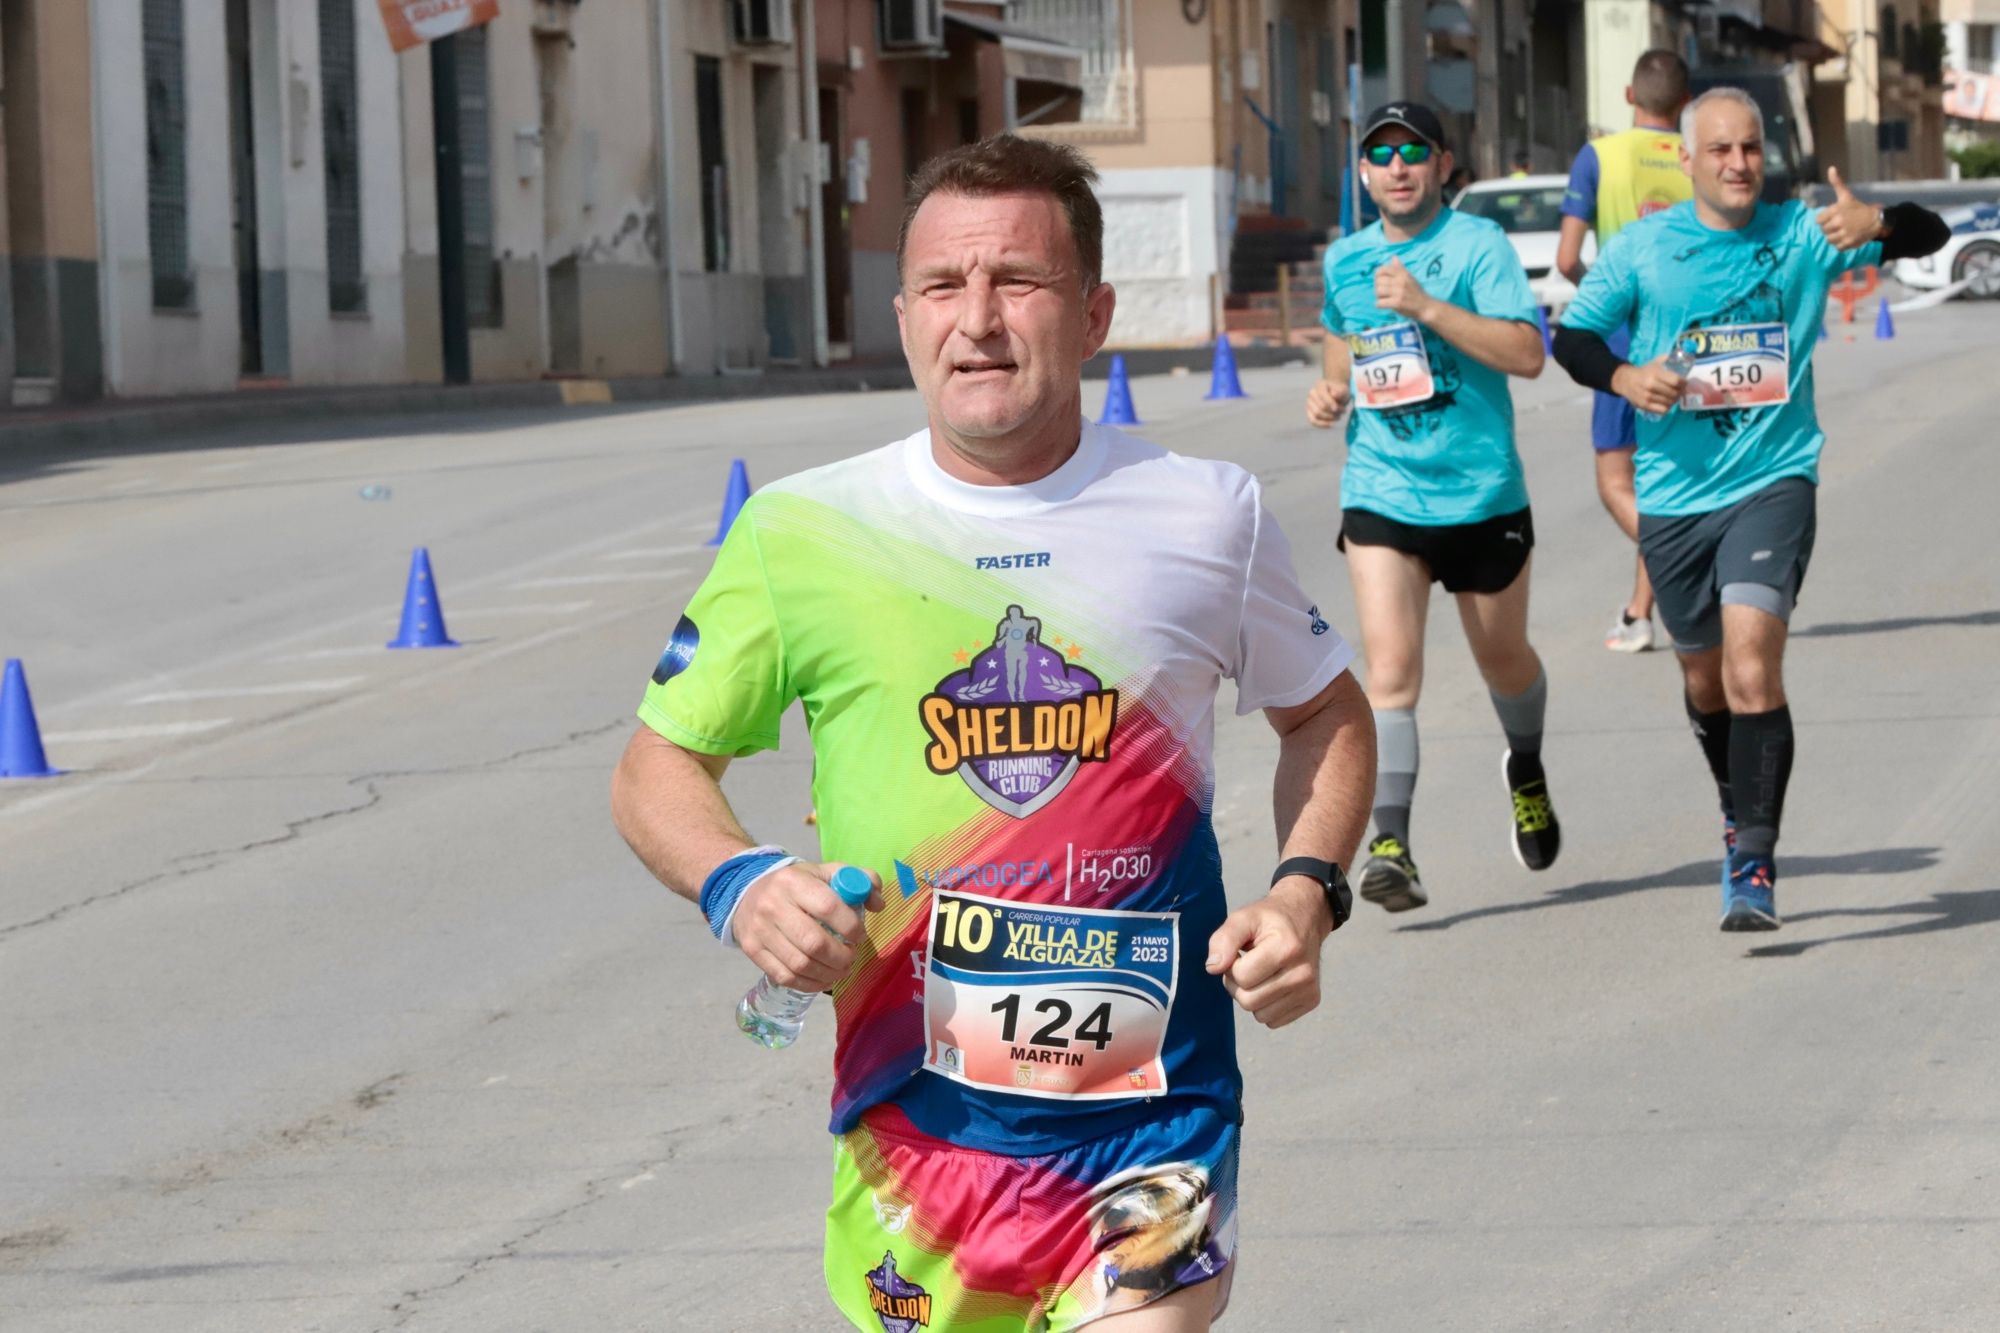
{"x": 1751, "y": 303}
{"x": 1438, "y": 445}
{"x": 1010, "y": 693}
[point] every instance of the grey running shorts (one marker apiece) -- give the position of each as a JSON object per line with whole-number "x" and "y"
{"x": 1751, "y": 553}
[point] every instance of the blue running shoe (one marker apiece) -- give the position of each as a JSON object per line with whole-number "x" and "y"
{"x": 1728, "y": 851}
{"x": 1752, "y": 900}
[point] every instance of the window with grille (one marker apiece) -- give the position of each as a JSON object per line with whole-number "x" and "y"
{"x": 1979, "y": 47}
{"x": 347, "y": 287}
{"x": 475, "y": 142}
{"x": 166, "y": 153}
{"x": 1102, "y": 29}
{"x": 1888, "y": 31}
{"x": 714, "y": 169}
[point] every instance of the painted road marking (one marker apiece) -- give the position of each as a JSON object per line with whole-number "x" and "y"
{"x": 652, "y": 552}
{"x": 146, "y": 731}
{"x": 250, "y": 691}
{"x": 584, "y": 580}
{"x": 524, "y": 609}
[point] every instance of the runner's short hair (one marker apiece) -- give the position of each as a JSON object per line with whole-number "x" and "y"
{"x": 1009, "y": 164}
{"x": 1660, "y": 82}
{"x": 1736, "y": 95}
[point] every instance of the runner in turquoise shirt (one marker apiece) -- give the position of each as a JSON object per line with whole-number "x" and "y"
{"x": 1427, "y": 313}
{"x": 1728, "y": 466}
{"x": 1449, "y": 458}
{"x": 1672, "y": 274}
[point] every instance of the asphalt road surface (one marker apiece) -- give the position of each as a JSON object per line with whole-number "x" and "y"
{"x": 330, "y": 1000}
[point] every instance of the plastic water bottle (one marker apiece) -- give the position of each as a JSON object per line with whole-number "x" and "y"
{"x": 772, "y": 1015}
{"x": 1679, "y": 360}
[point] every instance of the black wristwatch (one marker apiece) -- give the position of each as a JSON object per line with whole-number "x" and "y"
{"x": 1339, "y": 898}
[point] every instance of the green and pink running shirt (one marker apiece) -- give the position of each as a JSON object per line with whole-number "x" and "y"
{"x": 1010, "y": 693}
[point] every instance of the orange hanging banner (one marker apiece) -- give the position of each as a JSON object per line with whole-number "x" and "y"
{"x": 414, "y": 22}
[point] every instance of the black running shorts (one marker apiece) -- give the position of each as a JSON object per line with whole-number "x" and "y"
{"x": 1486, "y": 556}
{"x": 1751, "y": 553}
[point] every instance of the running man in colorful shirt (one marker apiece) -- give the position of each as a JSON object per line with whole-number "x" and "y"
{"x": 1428, "y": 312}
{"x": 1617, "y": 180}
{"x": 1036, "y": 1093}
{"x": 1728, "y": 456}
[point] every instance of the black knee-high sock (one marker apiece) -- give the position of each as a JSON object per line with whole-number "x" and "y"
{"x": 1760, "y": 764}
{"x": 1712, "y": 732}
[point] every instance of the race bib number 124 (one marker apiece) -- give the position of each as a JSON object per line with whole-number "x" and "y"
{"x": 1045, "y": 1000}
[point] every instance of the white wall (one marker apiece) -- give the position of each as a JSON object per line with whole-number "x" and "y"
{"x": 151, "y": 351}
{"x": 1163, "y": 242}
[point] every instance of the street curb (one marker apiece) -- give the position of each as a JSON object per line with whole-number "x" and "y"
{"x": 135, "y": 423}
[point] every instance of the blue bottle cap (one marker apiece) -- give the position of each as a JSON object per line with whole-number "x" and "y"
{"x": 853, "y": 885}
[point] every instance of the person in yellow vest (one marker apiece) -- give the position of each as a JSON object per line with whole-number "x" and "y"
{"x": 1616, "y": 180}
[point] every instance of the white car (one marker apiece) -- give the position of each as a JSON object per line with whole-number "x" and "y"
{"x": 1971, "y": 256}
{"x": 1529, "y": 210}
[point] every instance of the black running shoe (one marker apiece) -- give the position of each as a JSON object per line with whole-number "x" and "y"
{"x": 1390, "y": 877}
{"x": 1536, "y": 835}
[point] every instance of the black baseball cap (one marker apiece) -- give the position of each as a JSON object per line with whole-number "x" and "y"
{"x": 1415, "y": 117}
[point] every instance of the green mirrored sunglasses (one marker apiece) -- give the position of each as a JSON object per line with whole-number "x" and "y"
{"x": 1413, "y": 153}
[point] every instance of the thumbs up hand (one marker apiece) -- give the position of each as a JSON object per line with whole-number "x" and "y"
{"x": 1848, "y": 222}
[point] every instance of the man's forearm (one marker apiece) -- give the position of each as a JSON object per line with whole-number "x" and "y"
{"x": 1913, "y": 232}
{"x": 668, "y": 805}
{"x": 1506, "y": 345}
{"x": 1336, "y": 358}
{"x": 1587, "y": 357}
{"x": 1325, "y": 781}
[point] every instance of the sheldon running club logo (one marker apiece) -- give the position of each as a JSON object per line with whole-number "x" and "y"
{"x": 1019, "y": 719}
{"x": 901, "y": 1305}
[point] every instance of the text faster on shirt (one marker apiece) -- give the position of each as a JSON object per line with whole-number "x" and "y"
{"x": 1668, "y": 274}
{"x": 1449, "y": 459}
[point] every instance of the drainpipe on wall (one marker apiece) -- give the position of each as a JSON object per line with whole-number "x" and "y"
{"x": 663, "y": 133}
{"x": 808, "y": 40}
{"x": 110, "y": 331}
{"x": 1395, "y": 28}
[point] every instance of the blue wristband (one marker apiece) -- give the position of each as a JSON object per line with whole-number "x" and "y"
{"x": 726, "y": 883}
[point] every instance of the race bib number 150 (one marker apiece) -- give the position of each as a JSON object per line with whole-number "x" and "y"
{"x": 1048, "y": 1000}
{"x": 1737, "y": 365}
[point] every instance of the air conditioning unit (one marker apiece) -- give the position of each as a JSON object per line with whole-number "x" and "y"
{"x": 762, "y": 22}
{"x": 912, "y": 24}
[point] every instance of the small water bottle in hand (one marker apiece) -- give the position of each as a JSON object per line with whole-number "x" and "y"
{"x": 1680, "y": 361}
{"x": 772, "y": 1015}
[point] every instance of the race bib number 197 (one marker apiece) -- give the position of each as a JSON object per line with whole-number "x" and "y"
{"x": 1737, "y": 365}
{"x": 1392, "y": 368}
{"x": 1048, "y": 1000}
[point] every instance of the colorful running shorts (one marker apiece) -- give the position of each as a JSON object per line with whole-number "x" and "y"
{"x": 923, "y": 1234}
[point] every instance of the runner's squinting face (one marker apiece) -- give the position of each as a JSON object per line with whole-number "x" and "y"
{"x": 1726, "y": 158}
{"x": 995, "y": 319}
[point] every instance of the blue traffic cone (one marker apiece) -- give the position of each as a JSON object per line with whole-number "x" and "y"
{"x": 423, "y": 615}
{"x": 1222, "y": 381}
{"x": 1542, "y": 323}
{"x": 732, "y": 500}
{"x": 1118, "y": 409}
{"x": 20, "y": 739}
{"x": 1885, "y": 324}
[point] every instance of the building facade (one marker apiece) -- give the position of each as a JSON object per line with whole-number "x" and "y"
{"x": 1972, "y": 72}
{"x": 249, "y": 194}
{"x": 1878, "y": 103}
